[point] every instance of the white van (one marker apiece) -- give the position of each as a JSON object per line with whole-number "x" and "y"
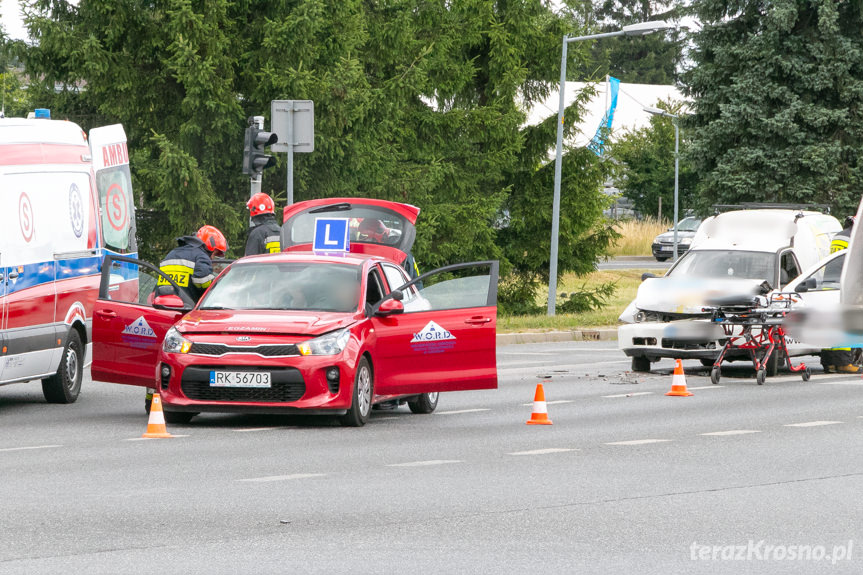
{"x": 732, "y": 252}
{"x": 64, "y": 203}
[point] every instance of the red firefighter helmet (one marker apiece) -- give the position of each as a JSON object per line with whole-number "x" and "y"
{"x": 372, "y": 229}
{"x": 213, "y": 239}
{"x": 261, "y": 203}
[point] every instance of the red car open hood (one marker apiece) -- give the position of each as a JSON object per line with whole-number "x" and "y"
{"x": 264, "y": 322}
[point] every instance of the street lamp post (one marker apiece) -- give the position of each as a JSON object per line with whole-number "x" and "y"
{"x": 640, "y": 29}
{"x": 674, "y": 121}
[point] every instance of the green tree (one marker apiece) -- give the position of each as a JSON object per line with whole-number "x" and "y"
{"x": 646, "y": 156}
{"x": 777, "y": 90}
{"x": 419, "y": 101}
{"x": 652, "y": 59}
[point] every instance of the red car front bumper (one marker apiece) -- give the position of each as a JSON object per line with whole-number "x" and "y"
{"x": 298, "y": 384}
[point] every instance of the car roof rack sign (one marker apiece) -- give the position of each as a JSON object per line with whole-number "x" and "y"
{"x": 719, "y": 208}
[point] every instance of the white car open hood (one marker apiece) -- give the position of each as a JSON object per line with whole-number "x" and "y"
{"x": 690, "y": 295}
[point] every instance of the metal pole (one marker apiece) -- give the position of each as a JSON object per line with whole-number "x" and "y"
{"x": 555, "y": 210}
{"x": 676, "y": 143}
{"x": 555, "y": 206}
{"x": 291, "y": 156}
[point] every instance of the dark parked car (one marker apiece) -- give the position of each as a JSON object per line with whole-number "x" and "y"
{"x": 663, "y": 244}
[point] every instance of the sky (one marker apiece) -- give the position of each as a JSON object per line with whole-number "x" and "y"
{"x": 12, "y": 19}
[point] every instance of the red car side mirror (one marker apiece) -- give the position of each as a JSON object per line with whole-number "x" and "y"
{"x": 169, "y": 302}
{"x": 390, "y": 307}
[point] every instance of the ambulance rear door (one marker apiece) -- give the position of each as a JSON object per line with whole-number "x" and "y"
{"x": 114, "y": 186}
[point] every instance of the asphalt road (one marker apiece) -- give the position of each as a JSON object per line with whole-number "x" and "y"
{"x": 625, "y": 481}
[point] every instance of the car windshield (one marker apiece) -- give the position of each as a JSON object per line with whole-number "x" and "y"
{"x": 688, "y": 225}
{"x": 299, "y": 286}
{"x": 726, "y": 264}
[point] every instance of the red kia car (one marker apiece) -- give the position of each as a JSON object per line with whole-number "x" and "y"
{"x": 301, "y": 332}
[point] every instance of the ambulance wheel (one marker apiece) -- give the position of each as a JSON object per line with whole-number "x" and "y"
{"x": 179, "y": 416}
{"x": 424, "y": 403}
{"x": 641, "y": 364}
{"x": 761, "y": 376}
{"x": 361, "y": 399}
{"x": 65, "y": 385}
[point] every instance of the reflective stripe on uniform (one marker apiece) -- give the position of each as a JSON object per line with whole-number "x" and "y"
{"x": 273, "y": 244}
{"x": 178, "y": 270}
{"x": 837, "y": 245}
{"x": 204, "y": 281}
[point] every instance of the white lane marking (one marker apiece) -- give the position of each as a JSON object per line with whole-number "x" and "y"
{"x": 29, "y": 448}
{"x": 542, "y": 451}
{"x": 514, "y": 364}
{"x": 732, "y": 432}
{"x": 811, "y": 423}
{"x": 638, "y": 442}
{"x": 706, "y": 387}
{"x": 424, "y": 463}
{"x": 569, "y": 366}
{"x": 633, "y": 394}
{"x": 457, "y": 411}
{"x": 149, "y": 438}
{"x": 251, "y": 429}
{"x": 854, "y": 381}
{"x": 555, "y": 402}
{"x": 283, "y": 477}
{"x": 386, "y": 418}
{"x": 782, "y": 378}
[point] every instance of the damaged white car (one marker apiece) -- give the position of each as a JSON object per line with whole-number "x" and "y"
{"x": 736, "y": 252}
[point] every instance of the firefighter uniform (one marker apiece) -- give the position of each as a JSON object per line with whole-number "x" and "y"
{"x": 265, "y": 237}
{"x": 840, "y": 359}
{"x": 840, "y": 241}
{"x": 189, "y": 265}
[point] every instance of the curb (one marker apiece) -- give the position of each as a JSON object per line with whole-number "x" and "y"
{"x": 602, "y": 334}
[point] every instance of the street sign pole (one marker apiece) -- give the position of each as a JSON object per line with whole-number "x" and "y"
{"x": 290, "y": 143}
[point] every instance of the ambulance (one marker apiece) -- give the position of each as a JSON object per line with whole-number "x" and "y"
{"x": 65, "y": 202}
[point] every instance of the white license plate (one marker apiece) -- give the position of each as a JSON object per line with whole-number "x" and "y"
{"x": 667, "y": 248}
{"x": 240, "y": 379}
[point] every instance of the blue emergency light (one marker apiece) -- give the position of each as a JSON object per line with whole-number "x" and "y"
{"x": 42, "y": 113}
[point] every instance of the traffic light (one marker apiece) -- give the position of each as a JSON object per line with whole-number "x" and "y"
{"x": 255, "y": 158}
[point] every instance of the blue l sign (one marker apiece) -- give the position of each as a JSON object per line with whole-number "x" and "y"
{"x": 332, "y": 235}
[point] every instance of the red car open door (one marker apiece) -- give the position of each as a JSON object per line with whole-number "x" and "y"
{"x": 128, "y": 329}
{"x": 444, "y": 340}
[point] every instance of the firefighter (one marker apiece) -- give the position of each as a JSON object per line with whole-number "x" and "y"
{"x": 190, "y": 264}
{"x": 841, "y": 359}
{"x": 841, "y": 239}
{"x": 264, "y": 236}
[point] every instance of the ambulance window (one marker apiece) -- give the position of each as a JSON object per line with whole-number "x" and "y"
{"x": 118, "y": 209}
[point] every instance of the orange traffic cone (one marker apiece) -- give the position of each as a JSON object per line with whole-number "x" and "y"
{"x": 678, "y": 382}
{"x": 540, "y": 410}
{"x": 156, "y": 425}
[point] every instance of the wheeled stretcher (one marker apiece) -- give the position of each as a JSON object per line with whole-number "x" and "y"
{"x": 755, "y": 324}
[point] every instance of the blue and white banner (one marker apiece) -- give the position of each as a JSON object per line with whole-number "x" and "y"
{"x": 597, "y": 144}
